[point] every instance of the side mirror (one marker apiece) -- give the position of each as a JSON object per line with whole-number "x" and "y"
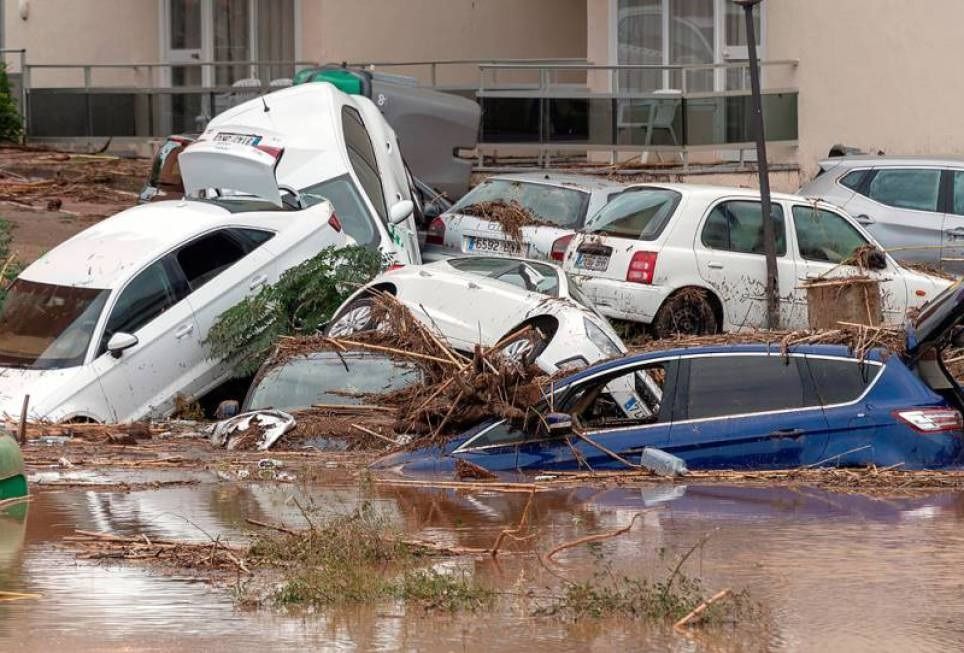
{"x": 877, "y": 260}
{"x": 119, "y": 342}
{"x": 401, "y": 211}
{"x": 560, "y": 424}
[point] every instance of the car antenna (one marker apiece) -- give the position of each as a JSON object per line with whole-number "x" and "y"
{"x": 265, "y": 103}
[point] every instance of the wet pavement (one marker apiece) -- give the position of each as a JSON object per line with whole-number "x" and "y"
{"x": 831, "y": 571}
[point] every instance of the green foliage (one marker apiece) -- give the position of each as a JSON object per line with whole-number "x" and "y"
{"x": 302, "y": 300}
{"x": 447, "y": 592}
{"x": 11, "y": 125}
{"x": 9, "y": 266}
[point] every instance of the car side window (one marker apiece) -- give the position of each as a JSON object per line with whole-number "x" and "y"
{"x": 854, "y": 179}
{"x": 148, "y": 295}
{"x": 632, "y": 398}
{"x": 252, "y": 239}
{"x": 957, "y": 205}
{"x": 766, "y": 383}
{"x": 209, "y": 256}
{"x": 906, "y": 188}
{"x": 348, "y": 206}
{"x": 502, "y": 434}
{"x": 824, "y": 235}
{"x": 361, "y": 154}
{"x": 737, "y": 226}
{"x": 839, "y": 381}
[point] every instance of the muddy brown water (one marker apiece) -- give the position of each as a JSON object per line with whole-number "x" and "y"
{"x": 832, "y": 571}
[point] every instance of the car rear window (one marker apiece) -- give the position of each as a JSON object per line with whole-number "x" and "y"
{"x": 841, "y": 381}
{"x": 564, "y": 207}
{"x": 638, "y": 214}
{"x": 766, "y": 383}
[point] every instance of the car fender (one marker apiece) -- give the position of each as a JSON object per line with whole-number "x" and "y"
{"x": 693, "y": 281}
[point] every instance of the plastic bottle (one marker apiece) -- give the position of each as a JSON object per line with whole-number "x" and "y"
{"x": 662, "y": 463}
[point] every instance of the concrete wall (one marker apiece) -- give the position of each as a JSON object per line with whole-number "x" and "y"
{"x": 421, "y": 30}
{"x": 83, "y": 31}
{"x": 878, "y": 74}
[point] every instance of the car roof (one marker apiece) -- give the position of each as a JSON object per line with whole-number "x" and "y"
{"x": 833, "y": 351}
{"x": 107, "y": 253}
{"x": 586, "y": 183}
{"x": 707, "y": 191}
{"x": 858, "y": 160}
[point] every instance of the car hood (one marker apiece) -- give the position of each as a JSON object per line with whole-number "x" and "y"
{"x": 45, "y": 387}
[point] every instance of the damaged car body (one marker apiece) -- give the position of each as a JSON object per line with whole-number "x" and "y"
{"x": 808, "y": 406}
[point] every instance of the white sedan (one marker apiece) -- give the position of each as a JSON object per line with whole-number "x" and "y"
{"x": 689, "y": 259}
{"x": 109, "y": 326}
{"x": 482, "y": 300}
{"x": 561, "y": 201}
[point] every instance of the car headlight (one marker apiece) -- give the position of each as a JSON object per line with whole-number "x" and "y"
{"x": 599, "y": 338}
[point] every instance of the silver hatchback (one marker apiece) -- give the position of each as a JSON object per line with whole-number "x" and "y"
{"x": 913, "y": 206}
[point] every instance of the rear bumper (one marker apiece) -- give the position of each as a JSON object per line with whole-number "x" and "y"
{"x": 433, "y": 253}
{"x": 622, "y": 300}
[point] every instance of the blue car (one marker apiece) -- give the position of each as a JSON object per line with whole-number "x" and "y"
{"x": 738, "y": 407}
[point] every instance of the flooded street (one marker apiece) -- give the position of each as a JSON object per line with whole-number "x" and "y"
{"x": 831, "y": 570}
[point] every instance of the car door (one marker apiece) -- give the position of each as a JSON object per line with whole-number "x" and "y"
{"x": 730, "y": 257}
{"x": 901, "y": 208}
{"x": 767, "y": 417}
{"x": 824, "y": 240}
{"x": 144, "y": 379}
{"x": 221, "y": 268}
{"x": 952, "y": 233}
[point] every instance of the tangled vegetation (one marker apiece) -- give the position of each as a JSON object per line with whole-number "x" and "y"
{"x": 11, "y": 124}
{"x": 302, "y": 300}
{"x": 9, "y": 266}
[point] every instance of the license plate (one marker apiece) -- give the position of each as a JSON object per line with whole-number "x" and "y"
{"x": 493, "y": 245}
{"x": 237, "y": 139}
{"x": 592, "y": 262}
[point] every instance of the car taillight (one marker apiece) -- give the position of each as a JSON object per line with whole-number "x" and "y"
{"x": 642, "y": 267}
{"x": 558, "y": 251}
{"x": 334, "y": 222}
{"x": 436, "y": 232}
{"x": 273, "y": 152}
{"x": 931, "y": 420}
{"x": 395, "y": 266}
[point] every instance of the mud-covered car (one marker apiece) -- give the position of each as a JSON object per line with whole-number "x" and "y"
{"x": 528, "y": 309}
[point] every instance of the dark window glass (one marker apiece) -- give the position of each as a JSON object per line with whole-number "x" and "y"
{"x": 361, "y": 154}
{"x": 737, "y": 226}
{"x": 825, "y": 235}
{"x": 149, "y": 294}
{"x": 209, "y": 256}
{"x": 906, "y": 188}
{"x": 348, "y": 205}
{"x": 252, "y": 239}
{"x": 501, "y": 434}
{"x": 733, "y": 385}
{"x": 640, "y": 214}
{"x": 840, "y": 381}
{"x": 957, "y": 207}
{"x": 852, "y": 180}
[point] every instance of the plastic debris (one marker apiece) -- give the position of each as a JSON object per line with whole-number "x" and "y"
{"x": 662, "y": 463}
{"x": 236, "y": 433}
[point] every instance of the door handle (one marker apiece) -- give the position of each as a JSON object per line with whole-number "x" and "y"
{"x": 257, "y": 281}
{"x": 863, "y": 218}
{"x": 183, "y": 331}
{"x": 714, "y": 265}
{"x": 473, "y": 285}
{"x": 957, "y": 232}
{"x": 786, "y": 433}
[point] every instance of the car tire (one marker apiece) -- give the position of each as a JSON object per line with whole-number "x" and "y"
{"x": 686, "y": 313}
{"x": 355, "y": 318}
{"x": 524, "y": 348}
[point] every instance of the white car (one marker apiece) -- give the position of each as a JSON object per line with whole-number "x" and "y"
{"x": 640, "y": 255}
{"x": 109, "y": 326}
{"x": 562, "y": 201}
{"x": 473, "y": 301}
{"x": 327, "y": 145}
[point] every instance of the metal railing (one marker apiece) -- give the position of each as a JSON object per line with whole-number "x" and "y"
{"x": 434, "y": 66}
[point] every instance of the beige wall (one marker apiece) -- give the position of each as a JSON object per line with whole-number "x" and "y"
{"x": 421, "y": 30}
{"x": 878, "y": 74}
{"x": 83, "y": 31}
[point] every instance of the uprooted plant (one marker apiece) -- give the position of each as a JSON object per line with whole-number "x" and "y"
{"x": 511, "y": 216}
{"x": 303, "y": 298}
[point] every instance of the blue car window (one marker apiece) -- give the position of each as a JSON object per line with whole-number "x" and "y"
{"x": 842, "y": 380}
{"x": 765, "y": 383}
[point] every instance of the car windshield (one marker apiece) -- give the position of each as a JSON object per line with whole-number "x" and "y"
{"x": 348, "y": 206}
{"x": 527, "y": 275}
{"x": 329, "y": 378}
{"x": 43, "y": 326}
{"x": 564, "y": 207}
{"x": 638, "y": 214}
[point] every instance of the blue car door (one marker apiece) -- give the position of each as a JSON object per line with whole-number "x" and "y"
{"x": 746, "y": 411}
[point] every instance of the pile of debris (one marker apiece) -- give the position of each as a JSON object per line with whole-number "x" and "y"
{"x": 511, "y": 216}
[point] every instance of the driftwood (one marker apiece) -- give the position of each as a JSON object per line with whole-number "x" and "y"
{"x": 701, "y": 608}
{"x": 588, "y": 539}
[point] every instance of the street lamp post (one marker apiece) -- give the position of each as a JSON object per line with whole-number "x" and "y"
{"x": 769, "y": 237}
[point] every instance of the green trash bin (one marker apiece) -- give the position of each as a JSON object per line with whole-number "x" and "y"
{"x": 344, "y": 80}
{"x": 13, "y": 481}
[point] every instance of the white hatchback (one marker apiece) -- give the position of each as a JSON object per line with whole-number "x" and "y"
{"x": 689, "y": 259}
{"x": 110, "y": 325}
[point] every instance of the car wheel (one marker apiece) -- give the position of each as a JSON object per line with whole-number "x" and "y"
{"x": 687, "y": 313}
{"x": 356, "y": 317}
{"x": 524, "y": 348}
